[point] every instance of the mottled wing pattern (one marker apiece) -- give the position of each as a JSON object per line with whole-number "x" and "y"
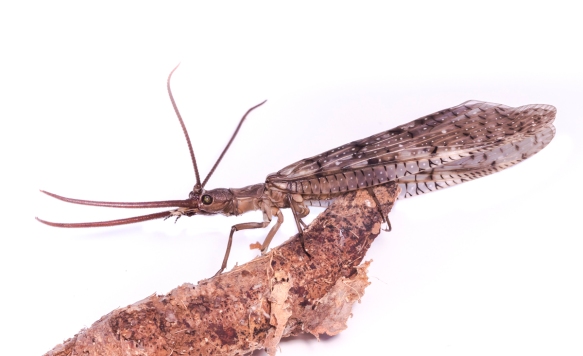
{"x": 475, "y": 166}
{"x": 451, "y": 140}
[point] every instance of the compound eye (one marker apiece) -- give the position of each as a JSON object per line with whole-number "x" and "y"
{"x": 207, "y": 199}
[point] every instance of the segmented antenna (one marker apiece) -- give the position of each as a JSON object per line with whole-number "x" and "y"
{"x": 197, "y": 186}
{"x": 191, "y": 204}
{"x": 230, "y": 141}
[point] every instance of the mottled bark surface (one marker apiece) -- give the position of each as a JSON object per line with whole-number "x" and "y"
{"x": 253, "y": 306}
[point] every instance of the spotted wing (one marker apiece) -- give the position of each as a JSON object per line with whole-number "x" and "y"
{"x": 417, "y": 147}
{"x": 475, "y": 166}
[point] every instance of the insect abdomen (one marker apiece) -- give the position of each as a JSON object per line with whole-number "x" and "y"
{"x": 356, "y": 179}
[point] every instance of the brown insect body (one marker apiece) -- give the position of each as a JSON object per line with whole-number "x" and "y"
{"x": 448, "y": 147}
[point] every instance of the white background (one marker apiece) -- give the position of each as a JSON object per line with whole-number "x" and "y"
{"x": 490, "y": 267}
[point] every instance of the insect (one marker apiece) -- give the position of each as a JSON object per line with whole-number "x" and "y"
{"x": 451, "y": 146}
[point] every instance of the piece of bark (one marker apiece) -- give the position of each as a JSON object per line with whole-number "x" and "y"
{"x": 252, "y": 307}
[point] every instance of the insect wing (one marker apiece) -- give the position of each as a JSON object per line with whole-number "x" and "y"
{"x": 475, "y": 166}
{"x": 426, "y": 143}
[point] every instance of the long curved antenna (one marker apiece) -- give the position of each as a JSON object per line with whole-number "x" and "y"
{"x": 132, "y": 220}
{"x": 230, "y": 141}
{"x": 187, "y": 203}
{"x": 184, "y": 130}
{"x": 191, "y": 203}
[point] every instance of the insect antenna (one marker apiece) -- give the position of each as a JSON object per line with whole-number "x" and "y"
{"x": 131, "y": 220}
{"x": 190, "y": 205}
{"x": 197, "y": 187}
{"x": 187, "y": 203}
{"x": 229, "y": 144}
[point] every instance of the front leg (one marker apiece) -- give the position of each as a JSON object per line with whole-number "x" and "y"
{"x": 243, "y": 226}
{"x": 273, "y": 230}
{"x": 251, "y": 225}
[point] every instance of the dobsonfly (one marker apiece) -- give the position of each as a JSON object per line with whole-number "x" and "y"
{"x": 448, "y": 147}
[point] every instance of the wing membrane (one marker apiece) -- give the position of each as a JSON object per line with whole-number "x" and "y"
{"x": 452, "y": 138}
{"x": 475, "y": 166}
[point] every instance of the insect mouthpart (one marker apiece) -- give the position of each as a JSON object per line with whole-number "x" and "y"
{"x": 183, "y": 212}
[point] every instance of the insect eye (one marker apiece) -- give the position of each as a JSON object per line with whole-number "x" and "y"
{"x": 207, "y": 199}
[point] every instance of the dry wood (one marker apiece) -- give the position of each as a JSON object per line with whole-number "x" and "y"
{"x": 252, "y": 307}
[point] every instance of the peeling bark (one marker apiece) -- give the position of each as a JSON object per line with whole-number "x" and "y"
{"x": 252, "y": 307}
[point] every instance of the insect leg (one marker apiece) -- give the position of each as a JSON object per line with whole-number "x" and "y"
{"x": 243, "y": 226}
{"x": 385, "y": 219}
{"x": 298, "y": 220}
{"x": 272, "y": 232}
{"x": 303, "y": 224}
